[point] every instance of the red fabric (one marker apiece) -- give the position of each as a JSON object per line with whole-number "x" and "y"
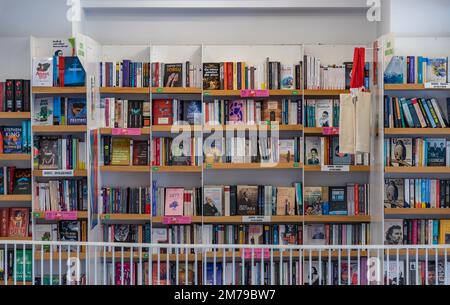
{"x": 359, "y": 59}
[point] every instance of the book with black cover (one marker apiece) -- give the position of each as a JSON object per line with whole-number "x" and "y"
{"x": 338, "y": 200}
{"x": 22, "y": 182}
{"x": 173, "y": 75}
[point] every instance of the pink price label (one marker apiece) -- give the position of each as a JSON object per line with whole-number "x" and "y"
{"x": 330, "y": 131}
{"x": 254, "y": 93}
{"x": 51, "y": 215}
{"x": 69, "y": 215}
{"x": 126, "y": 131}
{"x": 177, "y": 220}
{"x": 257, "y": 253}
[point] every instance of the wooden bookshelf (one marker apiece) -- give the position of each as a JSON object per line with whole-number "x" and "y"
{"x": 336, "y": 219}
{"x": 41, "y": 215}
{"x": 235, "y": 219}
{"x": 176, "y": 90}
{"x": 15, "y": 157}
{"x": 210, "y": 128}
{"x": 405, "y": 87}
{"x": 125, "y": 169}
{"x": 352, "y": 168}
{"x": 177, "y": 169}
{"x": 417, "y": 170}
{"x": 124, "y": 90}
{"x": 15, "y": 198}
{"x": 286, "y": 92}
{"x": 108, "y": 131}
{"x": 76, "y": 173}
{"x": 252, "y": 166}
{"x": 222, "y": 93}
{"x": 417, "y": 131}
{"x": 321, "y": 92}
{"x": 15, "y": 115}
{"x": 16, "y": 238}
{"x": 60, "y": 129}
{"x": 176, "y": 128}
{"x": 125, "y": 217}
{"x": 11, "y": 282}
{"x": 46, "y": 256}
{"x": 313, "y": 130}
{"x": 417, "y": 213}
{"x": 59, "y": 90}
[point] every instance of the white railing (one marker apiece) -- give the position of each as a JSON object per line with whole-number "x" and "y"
{"x": 91, "y": 263}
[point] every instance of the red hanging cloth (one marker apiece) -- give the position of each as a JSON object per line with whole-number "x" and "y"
{"x": 359, "y": 59}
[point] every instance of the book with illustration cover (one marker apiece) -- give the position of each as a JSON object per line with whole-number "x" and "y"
{"x": 48, "y": 153}
{"x": 255, "y": 235}
{"x": 393, "y": 232}
{"x": 395, "y": 71}
{"x": 74, "y": 73}
{"x": 237, "y": 112}
{"x": 435, "y": 152}
{"x": 162, "y": 112}
{"x": 180, "y": 153}
{"x": 43, "y": 111}
{"x": 288, "y": 234}
{"x": 401, "y": 152}
{"x": 69, "y": 230}
{"x": 140, "y": 152}
{"x": 193, "y": 112}
{"x": 42, "y": 72}
{"x": 22, "y": 181}
{"x": 315, "y": 234}
{"x": 286, "y": 150}
{"x": 394, "y": 193}
{"x": 287, "y": 76}
{"x": 120, "y": 151}
{"x": 122, "y": 273}
{"x": 12, "y": 140}
{"x": 214, "y": 150}
{"x": 213, "y": 205}
{"x": 174, "y": 202}
{"x": 337, "y": 200}
{"x": 135, "y": 114}
{"x": 76, "y": 111}
{"x": 312, "y": 150}
{"x": 271, "y": 112}
{"x": 173, "y": 75}
{"x": 211, "y": 76}
{"x": 313, "y": 200}
{"x": 247, "y": 203}
{"x": 18, "y": 222}
{"x": 285, "y": 201}
{"x": 324, "y": 113}
{"x": 437, "y": 70}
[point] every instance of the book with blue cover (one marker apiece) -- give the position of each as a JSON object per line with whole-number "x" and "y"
{"x": 437, "y": 70}
{"x": 336, "y": 157}
{"x": 395, "y": 71}
{"x": 76, "y": 111}
{"x": 193, "y": 112}
{"x": 12, "y": 140}
{"x": 74, "y": 73}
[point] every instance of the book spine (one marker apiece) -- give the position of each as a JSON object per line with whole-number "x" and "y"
{"x": 9, "y": 95}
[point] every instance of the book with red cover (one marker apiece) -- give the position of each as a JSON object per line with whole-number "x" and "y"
{"x": 174, "y": 202}
{"x": 18, "y": 222}
{"x": 26, "y": 95}
{"x": 140, "y": 152}
{"x": 162, "y": 112}
{"x": 4, "y": 220}
{"x": 61, "y": 71}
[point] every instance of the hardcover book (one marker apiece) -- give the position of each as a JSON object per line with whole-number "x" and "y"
{"x": 22, "y": 181}
{"x": 313, "y": 200}
{"x": 23, "y": 266}
{"x": 286, "y": 201}
{"x": 324, "y": 113}
{"x": 180, "y": 153}
{"x": 401, "y": 152}
{"x": 394, "y": 193}
{"x": 12, "y": 140}
{"x": 140, "y": 152}
{"x": 288, "y": 234}
{"x": 74, "y": 74}
{"x": 211, "y": 76}
{"x": 444, "y": 232}
{"x": 338, "y": 200}
{"x": 48, "y": 153}
{"x": 76, "y": 111}
{"x": 436, "y": 152}
{"x": 43, "y": 72}
{"x": 214, "y": 150}
{"x": 135, "y": 114}
{"x": 4, "y": 222}
{"x": 213, "y": 205}
{"x": 394, "y": 273}
{"x": 43, "y": 111}
{"x": 69, "y": 230}
{"x": 247, "y": 200}
{"x": 120, "y": 151}
{"x": 162, "y": 112}
{"x": 174, "y": 202}
{"x": 173, "y": 75}
{"x": 393, "y": 232}
{"x": 312, "y": 150}
{"x": 286, "y": 151}
{"x": 18, "y": 222}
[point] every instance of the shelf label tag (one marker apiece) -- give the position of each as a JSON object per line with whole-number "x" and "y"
{"x": 177, "y": 220}
{"x": 51, "y": 215}
{"x": 256, "y": 219}
{"x": 58, "y": 173}
{"x": 294, "y": 92}
{"x": 335, "y": 168}
{"x": 155, "y": 168}
{"x": 206, "y": 93}
{"x": 107, "y": 217}
{"x": 330, "y": 131}
{"x": 254, "y": 93}
{"x": 296, "y": 165}
{"x": 437, "y": 85}
{"x": 69, "y": 215}
{"x": 256, "y": 253}
{"x": 208, "y": 166}
{"x": 159, "y": 90}
{"x": 126, "y": 131}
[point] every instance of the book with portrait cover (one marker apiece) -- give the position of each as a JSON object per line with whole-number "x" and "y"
{"x": 237, "y": 112}
{"x": 124, "y": 233}
{"x": 120, "y": 151}
{"x": 394, "y": 193}
{"x": 22, "y": 181}
{"x": 337, "y": 200}
{"x": 140, "y": 152}
{"x": 12, "y": 140}
{"x": 255, "y": 235}
{"x": 435, "y": 152}
{"x": 212, "y": 205}
{"x": 393, "y": 232}
{"x": 211, "y": 76}
{"x": 69, "y": 230}
{"x": 286, "y": 150}
{"x": 76, "y": 111}
{"x": 174, "y": 202}
{"x": 271, "y": 112}
{"x": 48, "y": 153}
{"x": 162, "y": 112}
{"x": 285, "y": 201}
{"x": 18, "y": 222}
{"x": 312, "y": 150}
{"x": 173, "y": 75}
{"x": 324, "y": 113}
{"x": 247, "y": 202}
{"x": 336, "y": 157}
{"x": 401, "y": 152}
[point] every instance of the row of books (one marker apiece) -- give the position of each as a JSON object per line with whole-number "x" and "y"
{"x": 124, "y": 151}
{"x": 15, "y": 181}
{"x": 416, "y": 193}
{"x": 15, "y": 95}
{"x": 14, "y": 222}
{"x": 125, "y": 73}
{"x": 416, "y": 70}
{"x": 15, "y": 139}
{"x": 64, "y": 230}
{"x": 325, "y": 151}
{"x": 185, "y": 75}
{"x": 59, "y": 152}
{"x": 118, "y": 113}
{"x": 416, "y": 231}
{"x": 416, "y": 152}
{"x": 174, "y": 112}
{"x": 250, "y": 112}
{"x": 171, "y": 201}
{"x": 415, "y": 113}
{"x": 61, "y": 195}
{"x": 129, "y": 233}
{"x": 337, "y": 234}
{"x": 126, "y": 200}
{"x": 322, "y": 113}
{"x": 60, "y": 111}
{"x": 58, "y": 71}
{"x": 174, "y": 151}
{"x": 352, "y": 199}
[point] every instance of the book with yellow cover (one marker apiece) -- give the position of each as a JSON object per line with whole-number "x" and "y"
{"x": 286, "y": 201}
{"x": 444, "y": 232}
{"x": 120, "y": 151}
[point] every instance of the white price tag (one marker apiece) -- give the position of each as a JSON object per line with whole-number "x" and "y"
{"x": 335, "y": 168}
{"x": 256, "y": 219}
{"x": 437, "y": 85}
{"x": 58, "y": 173}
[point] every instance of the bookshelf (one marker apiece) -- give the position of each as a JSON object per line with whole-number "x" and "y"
{"x": 15, "y": 115}
{"x": 59, "y": 90}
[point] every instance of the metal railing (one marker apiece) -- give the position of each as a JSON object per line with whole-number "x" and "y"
{"x": 96, "y": 263}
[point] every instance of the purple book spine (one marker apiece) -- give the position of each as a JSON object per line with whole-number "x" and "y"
{"x": 126, "y": 73}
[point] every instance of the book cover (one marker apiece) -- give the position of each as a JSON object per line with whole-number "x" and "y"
{"x": 247, "y": 200}
{"x": 173, "y": 75}
{"x": 255, "y": 235}
{"x": 214, "y": 150}
{"x": 393, "y": 232}
{"x": 22, "y": 181}
{"x": 337, "y": 200}
{"x": 324, "y": 113}
{"x": 69, "y": 230}
{"x": 313, "y": 200}
{"x": 312, "y": 150}
{"x": 76, "y": 111}
{"x": 43, "y": 111}
{"x": 123, "y": 233}
{"x": 43, "y": 72}
{"x": 193, "y": 112}
{"x": 18, "y": 222}
{"x": 286, "y": 150}
{"x": 12, "y": 140}
{"x": 336, "y": 157}
{"x": 436, "y": 152}
{"x": 394, "y": 73}
{"x": 285, "y": 201}
{"x": 213, "y": 205}
{"x": 162, "y": 112}
{"x": 237, "y": 112}
{"x": 401, "y": 152}
{"x": 4, "y": 222}
{"x": 288, "y": 234}
{"x": 140, "y": 152}
{"x": 120, "y": 151}
{"x": 23, "y": 265}
{"x": 164, "y": 275}
{"x": 315, "y": 234}
{"x": 211, "y": 76}
{"x": 174, "y": 202}
{"x": 48, "y": 153}
{"x": 135, "y": 114}
{"x": 45, "y": 232}
{"x": 180, "y": 152}
{"x": 437, "y": 70}
{"x": 444, "y": 232}
{"x": 122, "y": 273}
{"x": 287, "y": 76}
{"x": 394, "y": 273}
{"x": 394, "y": 193}
{"x": 271, "y": 112}
{"x": 74, "y": 74}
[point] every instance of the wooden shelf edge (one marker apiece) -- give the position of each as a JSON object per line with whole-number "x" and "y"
{"x": 125, "y": 168}
{"x": 13, "y": 198}
{"x": 59, "y": 90}
{"x": 252, "y": 166}
{"x": 418, "y": 170}
{"x": 336, "y": 219}
{"x": 417, "y": 131}
{"x": 41, "y": 215}
{"x": 15, "y": 115}
{"x": 15, "y": 157}
{"x": 76, "y": 173}
{"x": 60, "y": 129}
{"x": 353, "y": 168}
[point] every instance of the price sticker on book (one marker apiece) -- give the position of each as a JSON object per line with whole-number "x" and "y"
{"x": 57, "y": 173}
{"x": 69, "y": 215}
{"x": 330, "y": 131}
{"x": 126, "y": 132}
{"x": 177, "y": 220}
{"x": 335, "y": 168}
{"x": 256, "y": 219}
{"x": 437, "y": 85}
{"x": 254, "y": 93}
{"x": 256, "y": 253}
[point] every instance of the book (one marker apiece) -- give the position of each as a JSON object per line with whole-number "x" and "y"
{"x": 12, "y": 140}
{"x": 237, "y": 112}
{"x": 287, "y": 77}
{"x": 286, "y": 151}
{"x": 69, "y": 230}
{"x": 436, "y": 152}
{"x": 43, "y": 111}
{"x": 401, "y": 152}
{"x": 444, "y": 232}
{"x": 394, "y": 273}
{"x": 48, "y": 153}
{"x": 22, "y": 182}
{"x": 162, "y": 112}
{"x": 18, "y": 222}
{"x": 437, "y": 70}
{"x": 4, "y": 222}
{"x": 315, "y": 234}
{"x": 173, "y": 75}
{"x": 193, "y": 112}
{"x": 255, "y": 235}
{"x": 338, "y": 158}
{"x": 394, "y": 73}
{"x": 393, "y": 232}
{"x": 214, "y": 150}
{"x": 23, "y": 265}
{"x": 42, "y": 72}
{"x": 76, "y": 111}
{"x": 337, "y": 200}
{"x": 174, "y": 202}
{"x": 285, "y": 201}
{"x": 394, "y": 193}
{"x": 140, "y": 152}
{"x": 271, "y": 112}
{"x": 324, "y": 113}
{"x": 45, "y": 232}
{"x": 120, "y": 151}
{"x": 312, "y": 150}
{"x": 313, "y": 200}
{"x": 74, "y": 73}
{"x": 180, "y": 152}
{"x": 211, "y": 76}
{"x": 247, "y": 203}
{"x": 212, "y": 205}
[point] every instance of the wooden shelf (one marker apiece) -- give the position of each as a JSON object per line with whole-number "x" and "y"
{"x": 15, "y": 115}
{"x": 252, "y": 166}
{"x": 176, "y": 128}
{"x": 177, "y": 169}
{"x": 125, "y": 217}
{"x": 222, "y": 93}
{"x": 417, "y": 213}
{"x": 352, "y": 168}
{"x": 108, "y": 131}
{"x": 336, "y": 219}
{"x": 125, "y": 169}
{"x": 15, "y": 198}
{"x": 209, "y": 128}
{"x": 124, "y": 90}
{"x": 417, "y": 131}
{"x": 41, "y": 215}
{"x": 417, "y": 170}
{"x": 321, "y": 92}
{"x": 18, "y": 283}
{"x": 313, "y": 130}
{"x": 60, "y": 129}
{"x": 59, "y": 90}
{"x": 234, "y": 219}
{"x": 176, "y": 90}
{"x": 16, "y": 238}
{"x": 64, "y": 254}
{"x": 15, "y": 157}
{"x": 76, "y": 173}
